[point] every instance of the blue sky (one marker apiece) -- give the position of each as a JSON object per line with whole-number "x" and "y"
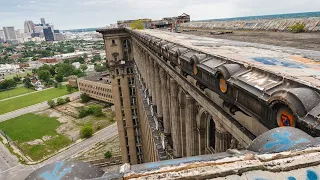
{"x": 70, "y": 14}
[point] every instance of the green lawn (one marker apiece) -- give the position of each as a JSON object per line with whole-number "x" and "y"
{"x": 31, "y": 99}
{"x": 29, "y": 127}
{"x": 10, "y": 76}
{"x": 14, "y": 92}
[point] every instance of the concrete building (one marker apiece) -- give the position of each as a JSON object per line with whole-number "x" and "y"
{"x": 48, "y": 33}
{"x": 181, "y": 96}
{"x": 97, "y": 86}
{"x": 29, "y": 27}
{"x": 2, "y": 35}
{"x": 43, "y": 21}
{"x": 10, "y": 33}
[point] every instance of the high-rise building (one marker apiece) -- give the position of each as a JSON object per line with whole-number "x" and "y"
{"x": 9, "y": 33}
{"x": 120, "y": 61}
{"x": 48, "y": 34}
{"x": 29, "y": 27}
{"x": 43, "y": 21}
{"x": 2, "y": 36}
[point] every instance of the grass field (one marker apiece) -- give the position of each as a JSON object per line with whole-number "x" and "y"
{"x": 14, "y": 92}
{"x": 29, "y": 127}
{"x": 10, "y": 76}
{"x": 31, "y": 99}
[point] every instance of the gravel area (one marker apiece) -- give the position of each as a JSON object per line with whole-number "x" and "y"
{"x": 310, "y": 41}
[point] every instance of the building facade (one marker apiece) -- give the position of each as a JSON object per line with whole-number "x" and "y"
{"x": 29, "y": 27}
{"x": 9, "y": 33}
{"x": 48, "y": 34}
{"x": 97, "y": 87}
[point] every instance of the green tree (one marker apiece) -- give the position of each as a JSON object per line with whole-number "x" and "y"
{"x": 69, "y": 88}
{"x": 17, "y": 78}
{"x": 51, "y": 103}
{"x": 44, "y": 75}
{"x": 85, "y": 97}
{"x": 83, "y": 67}
{"x": 86, "y": 132}
{"x": 27, "y": 83}
{"x": 108, "y": 154}
{"x": 7, "y": 84}
{"x": 59, "y": 78}
{"x": 138, "y": 24}
{"x": 64, "y": 69}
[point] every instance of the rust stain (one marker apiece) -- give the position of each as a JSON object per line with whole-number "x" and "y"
{"x": 303, "y": 60}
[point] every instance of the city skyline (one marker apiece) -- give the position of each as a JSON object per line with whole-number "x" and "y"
{"x": 100, "y": 13}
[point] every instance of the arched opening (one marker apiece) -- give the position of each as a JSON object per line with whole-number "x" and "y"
{"x": 202, "y": 126}
{"x": 211, "y": 135}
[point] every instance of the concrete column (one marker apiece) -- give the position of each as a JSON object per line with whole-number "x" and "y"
{"x": 175, "y": 126}
{"x": 165, "y": 102}
{"x": 153, "y": 83}
{"x": 202, "y": 141}
{"x": 182, "y": 110}
{"x": 191, "y": 127}
{"x": 223, "y": 138}
{"x": 149, "y": 75}
{"x": 158, "y": 91}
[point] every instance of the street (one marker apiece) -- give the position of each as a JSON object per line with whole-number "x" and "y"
{"x": 19, "y": 172}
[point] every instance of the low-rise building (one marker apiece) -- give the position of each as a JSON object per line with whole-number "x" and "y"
{"x": 97, "y": 86}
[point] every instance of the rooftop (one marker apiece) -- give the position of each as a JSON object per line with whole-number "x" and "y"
{"x": 298, "y": 64}
{"x": 102, "y": 77}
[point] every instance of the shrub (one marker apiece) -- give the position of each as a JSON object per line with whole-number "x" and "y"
{"x": 297, "y": 28}
{"x": 138, "y": 24}
{"x": 82, "y": 112}
{"x": 60, "y": 101}
{"x": 108, "y": 154}
{"x": 67, "y": 99}
{"x": 95, "y": 110}
{"x": 86, "y": 132}
{"x": 69, "y": 88}
{"x": 51, "y": 103}
{"x": 84, "y": 97}
{"x": 107, "y": 105}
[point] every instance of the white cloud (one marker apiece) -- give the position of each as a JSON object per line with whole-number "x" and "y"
{"x": 32, "y": 2}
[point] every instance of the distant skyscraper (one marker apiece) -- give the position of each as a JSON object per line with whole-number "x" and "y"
{"x": 29, "y": 27}
{"x": 2, "y": 36}
{"x": 43, "y": 21}
{"x": 48, "y": 34}
{"x": 9, "y": 33}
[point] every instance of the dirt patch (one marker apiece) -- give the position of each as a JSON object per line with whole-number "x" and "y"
{"x": 310, "y": 41}
{"x": 35, "y": 142}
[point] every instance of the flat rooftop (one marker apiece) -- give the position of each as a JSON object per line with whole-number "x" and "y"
{"x": 102, "y": 77}
{"x": 298, "y": 64}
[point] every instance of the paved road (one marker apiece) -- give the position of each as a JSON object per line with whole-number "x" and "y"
{"x": 7, "y": 160}
{"x": 33, "y": 108}
{"x": 20, "y": 172}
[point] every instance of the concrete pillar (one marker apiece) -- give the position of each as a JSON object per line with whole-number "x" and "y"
{"x": 202, "y": 141}
{"x": 158, "y": 91}
{"x": 153, "y": 83}
{"x": 175, "y": 126}
{"x": 223, "y": 138}
{"x": 149, "y": 75}
{"x": 191, "y": 127}
{"x": 182, "y": 110}
{"x": 165, "y": 102}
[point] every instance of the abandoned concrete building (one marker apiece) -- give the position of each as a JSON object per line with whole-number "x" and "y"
{"x": 179, "y": 95}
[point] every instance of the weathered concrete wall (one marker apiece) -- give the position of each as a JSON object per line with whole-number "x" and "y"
{"x": 312, "y": 24}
